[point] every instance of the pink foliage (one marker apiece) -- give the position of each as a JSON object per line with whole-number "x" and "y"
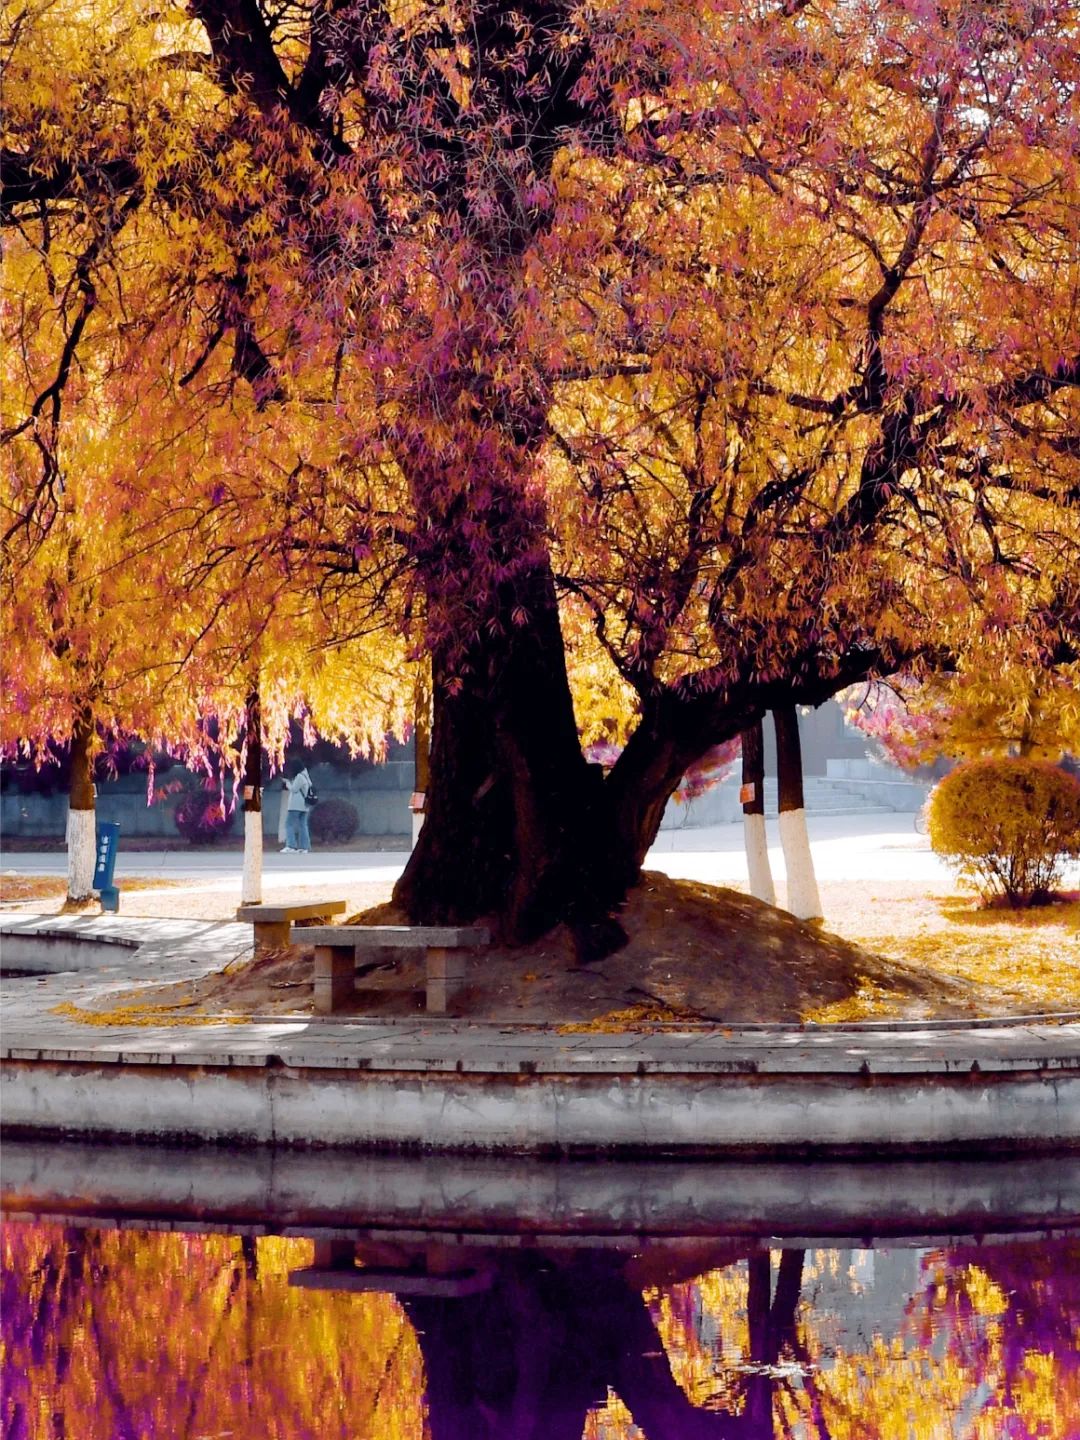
{"x": 708, "y": 772}
{"x": 907, "y": 737}
{"x": 704, "y": 775}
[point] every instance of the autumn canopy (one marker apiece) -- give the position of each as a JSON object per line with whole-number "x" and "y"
{"x": 637, "y": 367}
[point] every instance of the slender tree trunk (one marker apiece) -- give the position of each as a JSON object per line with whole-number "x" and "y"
{"x": 755, "y": 838}
{"x": 803, "y": 899}
{"x": 82, "y": 815}
{"x": 251, "y": 884}
{"x": 422, "y": 746}
{"x": 759, "y": 1383}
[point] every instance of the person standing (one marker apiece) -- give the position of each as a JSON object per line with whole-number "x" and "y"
{"x": 283, "y": 812}
{"x": 297, "y": 834}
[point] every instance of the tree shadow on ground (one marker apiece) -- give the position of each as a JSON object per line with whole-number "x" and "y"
{"x": 1063, "y": 908}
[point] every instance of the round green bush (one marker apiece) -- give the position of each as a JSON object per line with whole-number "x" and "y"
{"x": 1007, "y": 826}
{"x": 200, "y": 817}
{"x": 332, "y": 822}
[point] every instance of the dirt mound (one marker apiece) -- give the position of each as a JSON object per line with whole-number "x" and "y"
{"x": 696, "y": 953}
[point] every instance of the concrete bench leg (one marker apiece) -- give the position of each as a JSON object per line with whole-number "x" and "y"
{"x": 272, "y": 935}
{"x": 335, "y": 1254}
{"x": 445, "y": 977}
{"x": 335, "y": 974}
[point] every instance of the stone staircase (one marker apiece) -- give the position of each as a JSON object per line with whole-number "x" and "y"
{"x": 834, "y": 797}
{"x": 852, "y": 787}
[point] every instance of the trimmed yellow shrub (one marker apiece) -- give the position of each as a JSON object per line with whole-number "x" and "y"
{"x": 1007, "y": 826}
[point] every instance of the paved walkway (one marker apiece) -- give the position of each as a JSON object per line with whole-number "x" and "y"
{"x": 846, "y": 847}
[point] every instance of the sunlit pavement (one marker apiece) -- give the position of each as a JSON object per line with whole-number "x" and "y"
{"x": 845, "y": 847}
{"x": 220, "y": 870}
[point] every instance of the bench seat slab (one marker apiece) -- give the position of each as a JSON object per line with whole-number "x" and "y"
{"x": 453, "y": 1286}
{"x": 314, "y": 910}
{"x": 398, "y": 937}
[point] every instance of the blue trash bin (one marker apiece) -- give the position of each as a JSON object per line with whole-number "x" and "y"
{"x": 108, "y": 841}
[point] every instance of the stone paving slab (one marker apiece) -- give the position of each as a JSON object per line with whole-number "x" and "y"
{"x": 356, "y": 1046}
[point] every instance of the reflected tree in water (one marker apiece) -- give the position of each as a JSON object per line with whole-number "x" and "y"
{"x": 532, "y": 1356}
{"x": 1010, "y": 1314}
{"x": 113, "y": 1334}
{"x": 36, "y": 1307}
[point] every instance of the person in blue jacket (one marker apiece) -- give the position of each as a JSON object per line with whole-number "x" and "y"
{"x": 297, "y": 834}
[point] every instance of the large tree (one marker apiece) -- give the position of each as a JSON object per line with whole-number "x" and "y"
{"x": 725, "y": 351}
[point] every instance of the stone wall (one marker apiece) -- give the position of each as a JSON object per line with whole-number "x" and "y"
{"x": 380, "y": 794}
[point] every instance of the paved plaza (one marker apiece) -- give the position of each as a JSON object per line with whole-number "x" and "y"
{"x": 845, "y": 847}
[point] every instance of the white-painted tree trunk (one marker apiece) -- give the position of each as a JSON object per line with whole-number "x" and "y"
{"x": 803, "y": 899}
{"x": 757, "y": 859}
{"x": 251, "y": 885}
{"x": 81, "y": 853}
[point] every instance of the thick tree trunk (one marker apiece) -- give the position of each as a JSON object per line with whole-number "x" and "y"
{"x": 568, "y": 1333}
{"x": 82, "y": 814}
{"x": 803, "y": 899}
{"x": 519, "y": 828}
{"x": 515, "y": 824}
{"x": 755, "y": 838}
{"x": 251, "y": 884}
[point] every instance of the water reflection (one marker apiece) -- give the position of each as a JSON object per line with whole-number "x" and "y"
{"x": 142, "y": 1333}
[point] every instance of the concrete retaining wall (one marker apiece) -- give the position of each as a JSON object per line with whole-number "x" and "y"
{"x": 260, "y": 1100}
{"x": 454, "y": 1085}
{"x": 51, "y": 954}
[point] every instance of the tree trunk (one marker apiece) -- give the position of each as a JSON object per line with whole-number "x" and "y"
{"x": 755, "y": 838}
{"x": 82, "y": 815}
{"x": 803, "y": 899}
{"x": 672, "y": 734}
{"x": 518, "y": 828}
{"x": 568, "y": 1333}
{"x": 251, "y": 884}
{"x": 422, "y": 747}
{"x": 514, "y": 825}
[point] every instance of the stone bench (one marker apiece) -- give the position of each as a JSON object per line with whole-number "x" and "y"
{"x": 336, "y": 948}
{"x": 454, "y": 1285}
{"x": 436, "y": 1274}
{"x": 273, "y": 923}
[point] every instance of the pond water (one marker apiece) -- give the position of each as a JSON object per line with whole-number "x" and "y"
{"x": 128, "y": 1330}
